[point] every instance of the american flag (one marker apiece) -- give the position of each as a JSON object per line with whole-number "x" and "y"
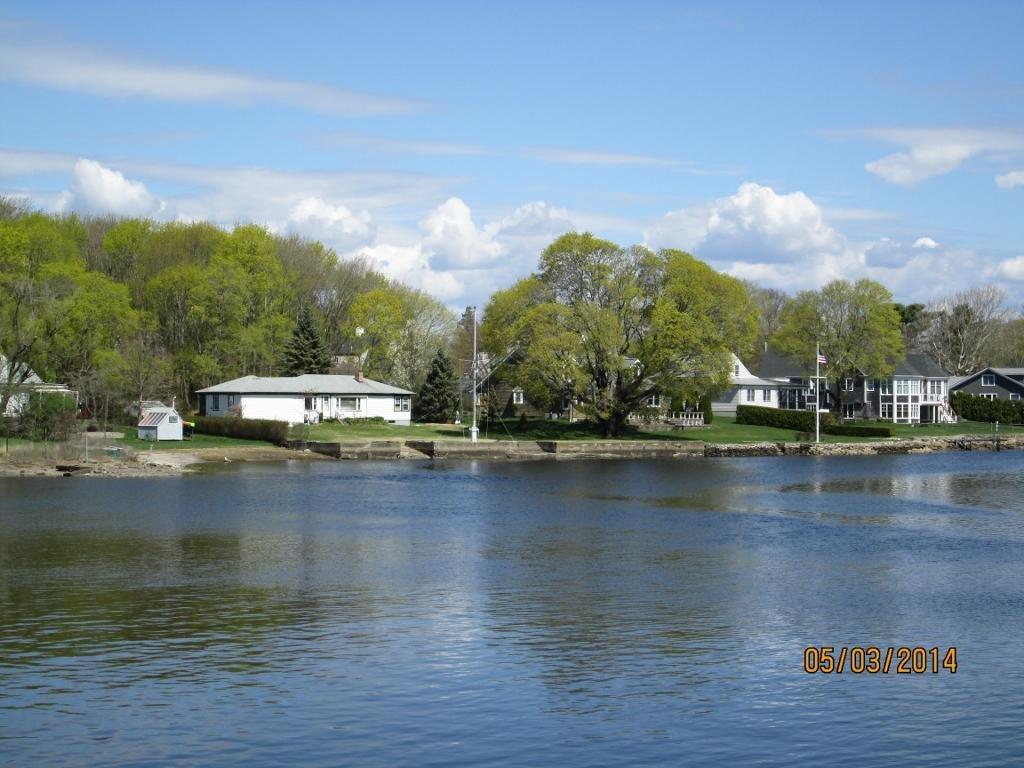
{"x": 821, "y": 359}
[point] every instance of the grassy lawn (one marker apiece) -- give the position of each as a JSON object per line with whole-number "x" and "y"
{"x": 723, "y": 430}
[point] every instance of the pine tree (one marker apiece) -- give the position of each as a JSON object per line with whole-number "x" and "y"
{"x": 306, "y": 352}
{"x": 438, "y": 398}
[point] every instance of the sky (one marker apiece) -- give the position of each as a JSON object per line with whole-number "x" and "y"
{"x": 450, "y": 142}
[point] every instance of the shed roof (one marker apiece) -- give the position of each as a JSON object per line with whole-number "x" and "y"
{"x": 307, "y": 384}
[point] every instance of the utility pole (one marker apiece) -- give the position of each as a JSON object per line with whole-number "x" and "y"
{"x": 473, "y": 431}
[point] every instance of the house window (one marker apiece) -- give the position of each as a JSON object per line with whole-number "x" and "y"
{"x": 988, "y": 379}
{"x": 848, "y": 385}
{"x": 736, "y": 370}
{"x": 517, "y": 396}
{"x": 902, "y": 412}
{"x": 766, "y": 395}
{"x": 885, "y": 386}
{"x": 915, "y": 412}
{"x": 848, "y": 409}
{"x": 654, "y": 401}
{"x": 402, "y": 403}
{"x": 750, "y": 395}
{"x": 989, "y": 395}
{"x": 886, "y": 410}
{"x": 869, "y": 385}
{"x": 307, "y": 403}
{"x": 1014, "y": 396}
{"x": 172, "y": 419}
{"x": 214, "y": 402}
{"x": 347, "y": 403}
{"x": 936, "y": 387}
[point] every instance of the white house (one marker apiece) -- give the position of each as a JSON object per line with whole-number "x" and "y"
{"x": 160, "y": 422}
{"x": 745, "y": 389}
{"x": 25, "y": 384}
{"x": 307, "y": 398}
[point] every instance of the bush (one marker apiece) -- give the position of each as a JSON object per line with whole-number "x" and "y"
{"x": 48, "y": 416}
{"x": 974, "y": 408}
{"x": 858, "y": 430}
{"x": 802, "y": 421}
{"x": 705, "y": 406}
{"x": 245, "y": 429}
{"x": 365, "y": 420}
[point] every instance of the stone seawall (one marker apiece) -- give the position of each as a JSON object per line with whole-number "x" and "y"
{"x": 523, "y": 450}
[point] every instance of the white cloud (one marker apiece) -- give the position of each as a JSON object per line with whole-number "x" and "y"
{"x": 335, "y": 225}
{"x": 83, "y": 70}
{"x": 589, "y": 157}
{"x": 455, "y": 241}
{"x": 755, "y": 224}
{"x": 1010, "y": 180}
{"x": 399, "y": 146}
{"x": 933, "y": 152}
{"x": 1011, "y": 269}
{"x": 99, "y": 189}
{"x": 925, "y": 242}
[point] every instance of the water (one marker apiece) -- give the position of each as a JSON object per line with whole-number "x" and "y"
{"x": 571, "y": 614}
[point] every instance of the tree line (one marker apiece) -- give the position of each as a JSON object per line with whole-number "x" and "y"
{"x": 129, "y": 309}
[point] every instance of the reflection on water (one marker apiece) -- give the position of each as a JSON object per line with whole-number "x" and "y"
{"x": 519, "y": 614}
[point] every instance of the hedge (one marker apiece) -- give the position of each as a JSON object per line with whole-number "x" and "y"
{"x": 859, "y": 430}
{"x": 974, "y": 408}
{"x": 246, "y": 429}
{"x": 802, "y": 421}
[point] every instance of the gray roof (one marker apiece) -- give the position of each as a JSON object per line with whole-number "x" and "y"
{"x": 307, "y": 384}
{"x": 920, "y": 365}
{"x": 773, "y": 365}
{"x": 751, "y": 381}
{"x": 1011, "y": 372}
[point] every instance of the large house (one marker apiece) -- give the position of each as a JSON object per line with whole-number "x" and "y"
{"x": 991, "y": 383}
{"x": 308, "y": 398}
{"x": 916, "y": 392}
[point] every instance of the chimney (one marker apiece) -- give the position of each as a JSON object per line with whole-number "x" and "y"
{"x": 359, "y": 376}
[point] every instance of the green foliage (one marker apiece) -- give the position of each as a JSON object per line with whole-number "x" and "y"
{"x": 856, "y": 324}
{"x": 859, "y": 430}
{"x": 974, "y": 408}
{"x": 802, "y": 421}
{"x": 48, "y": 416}
{"x": 610, "y": 327}
{"x": 248, "y": 429}
{"x": 305, "y": 353}
{"x": 438, "y": 398}
{"x": 705, "y": 407}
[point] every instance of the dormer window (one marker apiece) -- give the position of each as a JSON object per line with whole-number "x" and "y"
{"x": 988, "y": 379}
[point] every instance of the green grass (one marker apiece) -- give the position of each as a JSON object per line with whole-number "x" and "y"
{"x": 723, "y": 430}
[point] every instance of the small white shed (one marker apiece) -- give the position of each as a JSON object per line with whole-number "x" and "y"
{"x": 160, "y": 423}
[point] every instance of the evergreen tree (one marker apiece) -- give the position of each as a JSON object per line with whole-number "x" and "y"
{"x": 306, "y": 352}
{"x": 438, "y": 398}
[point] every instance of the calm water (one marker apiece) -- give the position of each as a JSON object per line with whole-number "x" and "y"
{"x": 576, "y": 614}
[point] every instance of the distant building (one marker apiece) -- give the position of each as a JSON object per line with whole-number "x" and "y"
{"x": 991, "y": 383}
{"x": 160, "y": 422}
{"x": 26, "y": 384}
{"x": 309, "y": 398}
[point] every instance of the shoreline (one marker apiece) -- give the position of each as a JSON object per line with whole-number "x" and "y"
{"x": 176, "y": 462}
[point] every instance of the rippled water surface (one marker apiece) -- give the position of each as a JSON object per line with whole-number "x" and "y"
{"x": 534, "y": 614}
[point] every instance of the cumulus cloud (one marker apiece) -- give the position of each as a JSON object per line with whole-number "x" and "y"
{"x": 756, "y": 224}
{"x": 455, "y": 241}
{"x": 932, "y": 152}
{"x": 99, "y": 189}
{"x": 336, "y": 225}
{"x": 1011, "y": 269}
{"x": 925, "y": 242}
{"x": 1010, "y": 180}
{"x": 98, "y": 72}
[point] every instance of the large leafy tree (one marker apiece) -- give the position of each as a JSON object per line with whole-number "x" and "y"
{"x": 611, "y": 326}
{"x": 305, "y": 352}
{"x": 438, "y": 398}
{"x": 856, "y": 324}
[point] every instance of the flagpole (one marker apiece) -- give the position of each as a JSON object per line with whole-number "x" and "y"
{"x": 817, "y": 393}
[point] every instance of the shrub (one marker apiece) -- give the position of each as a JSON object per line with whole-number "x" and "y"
{"x": 245, "y": 429}
{"x": 859, "y": 430}
{"x": 802, "y": 421}
{"x": 705, "y": 406}
{"x": 974, "y": 408}
{"x": 48, "y": 416}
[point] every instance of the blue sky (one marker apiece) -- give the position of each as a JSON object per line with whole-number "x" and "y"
{"x": 788, "y": 143}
